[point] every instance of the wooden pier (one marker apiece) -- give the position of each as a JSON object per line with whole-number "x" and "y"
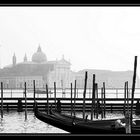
{"x": 111, "y": 105}
{"x": 73, "y": 100}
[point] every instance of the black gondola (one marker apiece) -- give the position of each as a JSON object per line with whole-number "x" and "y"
{"x": 76, "y": 125}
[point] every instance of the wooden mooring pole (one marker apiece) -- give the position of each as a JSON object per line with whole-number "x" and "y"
{"x": 74, "y": 96}
{"x": 124, "y": 98}
{"x": 1, "y": 99}
{"x": 104, "y": 99}
{"x": 55, "y": 94}
{"x": 127, "y": 114}
{"x": 93, "y": 97}
{"x": 84, "y": 95}
{"x": 133, "y": 88}
{"x": 25, "y": 101}
{"x": 34, "y": 94}
{"x": 47, "y": 99}
{"x": 97, "y": 105}
{"x": 127, "y": 96}
{"x": 71, "y": 99}
{"x": 102, "y": 114}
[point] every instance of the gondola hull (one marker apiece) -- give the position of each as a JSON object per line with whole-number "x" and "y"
{"x": 52, "y": 120}
{"x": 76, "y": 125}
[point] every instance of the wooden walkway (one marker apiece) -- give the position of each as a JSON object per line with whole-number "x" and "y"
{"x": 112, "y": 104}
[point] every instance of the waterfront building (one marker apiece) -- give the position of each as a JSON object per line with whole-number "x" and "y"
{"x": 43, "y": 71}
{"x": 112, "y": 79}
{"x": 62, "y": 74}
{"x": 39, "y": 69}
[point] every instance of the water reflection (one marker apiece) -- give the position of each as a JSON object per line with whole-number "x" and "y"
{"x": 14, "y": 122}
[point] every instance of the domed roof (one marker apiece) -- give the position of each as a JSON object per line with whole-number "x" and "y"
{"x": 39, "y": 56}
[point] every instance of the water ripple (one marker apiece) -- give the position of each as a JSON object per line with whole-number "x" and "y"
{"x": 14, "y": 122}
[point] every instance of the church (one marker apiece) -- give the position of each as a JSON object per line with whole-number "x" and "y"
{"x": 47, "y": 72}
{"x": 39, "y": 69}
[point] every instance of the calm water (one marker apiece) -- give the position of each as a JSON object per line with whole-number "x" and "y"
{"x": 14, "y": 122}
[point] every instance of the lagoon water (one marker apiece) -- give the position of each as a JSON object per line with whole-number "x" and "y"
{"x": 14, "y": 123}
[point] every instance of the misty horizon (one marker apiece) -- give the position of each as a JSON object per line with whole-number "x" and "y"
{"x": 104, "y": 38}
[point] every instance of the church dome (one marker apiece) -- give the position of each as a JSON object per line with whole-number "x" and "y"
{"x": 39, "y": 56}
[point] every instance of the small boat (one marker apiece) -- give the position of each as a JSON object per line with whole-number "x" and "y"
{"x": 76, "y": 125}
{"x": 57, "y": 120}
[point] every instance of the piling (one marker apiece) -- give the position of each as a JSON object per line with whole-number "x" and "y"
{"x": 55, "y": 94}
{"x": 97, "y": 105}
{"x": 1, "y": 99}
{"x": 34, "y": 94}
{"x": 127, "y": 114}
{"x": 127, "y": 96}
{"x": 133, "y": 88}
{"x": 71, "y": 99}
{"x": 74, "y": 96}
{"x": 102, "y": 102}
{"x": 96, "y": 88}
{"x": 124, "y": 98}
{"x": 47, "y": 99}
{"x": 25, "y": 101}
{"x": 104, "y": 99}
{"x": 84, "y": 95}
{"x": 93, "y": 97}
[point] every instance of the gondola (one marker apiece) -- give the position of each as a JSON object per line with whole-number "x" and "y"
{"x": 76, "y": 125}
{"x": 57, "y": 120}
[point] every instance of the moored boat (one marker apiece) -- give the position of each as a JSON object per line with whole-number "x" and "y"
{"x": 76, "y": 125}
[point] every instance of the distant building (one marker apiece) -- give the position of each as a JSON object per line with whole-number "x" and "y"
{"x": 47, "y": 72}
{"x": 61, "y": 74}
{"x": 18, "y": 81}
{"x": 38, "y": 69}
{"x": 112, "y": 79}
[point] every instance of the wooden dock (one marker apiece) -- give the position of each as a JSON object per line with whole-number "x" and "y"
{"x": 112, "y": 104}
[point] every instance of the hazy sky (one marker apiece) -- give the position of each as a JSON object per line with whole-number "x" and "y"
{"x": 91, "y": 37}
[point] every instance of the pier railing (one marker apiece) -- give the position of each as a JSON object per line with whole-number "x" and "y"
{"x": 114, "y": 98}
{"x": 66, "y": 93}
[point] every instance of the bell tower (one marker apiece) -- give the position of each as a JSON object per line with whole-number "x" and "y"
{"x": 14, "y": 59}
{"x": 25, "y": 58}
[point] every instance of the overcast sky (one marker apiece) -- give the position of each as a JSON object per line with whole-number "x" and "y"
{"x": 90, "y": 37}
